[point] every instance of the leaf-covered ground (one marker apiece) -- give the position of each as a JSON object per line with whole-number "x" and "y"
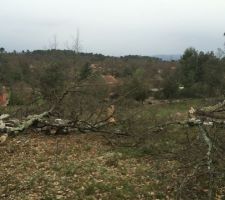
{"x": 77, "y": 167}
{"x": 84, "y": 166}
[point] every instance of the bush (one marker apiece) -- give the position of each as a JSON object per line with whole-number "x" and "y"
{"x": 136, "y": 90}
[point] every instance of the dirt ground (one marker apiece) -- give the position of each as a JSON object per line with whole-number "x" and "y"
{"x": 36, "y": 166}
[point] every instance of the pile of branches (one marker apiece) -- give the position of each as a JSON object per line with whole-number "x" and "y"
{"x": 210, "y": 122}
{"x": 202, "y": 160}
{"x": 48, "y": 122}
{"x": 204, "y": 119}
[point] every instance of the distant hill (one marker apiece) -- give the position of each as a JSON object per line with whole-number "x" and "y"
{"x": 168, "y": 57}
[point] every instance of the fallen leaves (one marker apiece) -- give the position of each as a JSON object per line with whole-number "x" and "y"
{"x": 73, "y": 167}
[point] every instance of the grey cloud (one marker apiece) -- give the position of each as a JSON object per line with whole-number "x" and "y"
{"x": 114, "y": 27}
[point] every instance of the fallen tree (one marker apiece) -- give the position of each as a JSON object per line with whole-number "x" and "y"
{"x": 202, "y": 150}
{"x": 47, "y": 122}
{"x": 102, "y": 120}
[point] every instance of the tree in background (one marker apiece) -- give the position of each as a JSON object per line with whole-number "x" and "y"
{"x": 2, "y": 50}
{"x": 221, "y": 51}
{"x": 76, "y": 45}
{"x": 170, "y": 87}
{"x": 52, "y": 80}
{"x": 201, "y": 74}
{"x": 85, "y": 71}
{"x": 189, "y": 67}
{"x": 54, "y": 43}
{"x": 135, "y": 86}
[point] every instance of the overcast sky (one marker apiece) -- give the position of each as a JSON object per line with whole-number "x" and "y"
{"x": 114, "y": 27}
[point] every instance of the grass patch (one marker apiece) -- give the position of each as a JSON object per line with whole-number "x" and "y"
{"x": 69, "y": 169}
{"x": 131, "y": 152}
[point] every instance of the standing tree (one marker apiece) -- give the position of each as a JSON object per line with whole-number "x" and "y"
{"x": 76, "y": 44}
{"x": 2, "y": 50}
{"x": 54, "y": 43}
{"x": 85, "y": 71}
{"x": 220, "y": 51}
{"x": 52, "y": 80}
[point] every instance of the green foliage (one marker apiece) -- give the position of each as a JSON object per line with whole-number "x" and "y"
{"x": 85, "y": 71}
{"x": 135, "y": 86}
{"x": 127, "y": 71}
{"x": 52, "y": 79}
{"x": 201, "y": 74}
{"x": 170, "y": 87}
{"x": 2, "y": 50}
{"x": 15, "y": 99}
{"x": 189, "y": 66}
{"x": 136, "y": 89}
{"x": 139, "y": 73}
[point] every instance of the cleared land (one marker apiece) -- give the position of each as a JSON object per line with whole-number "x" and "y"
{"x": 85, "y": 166}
